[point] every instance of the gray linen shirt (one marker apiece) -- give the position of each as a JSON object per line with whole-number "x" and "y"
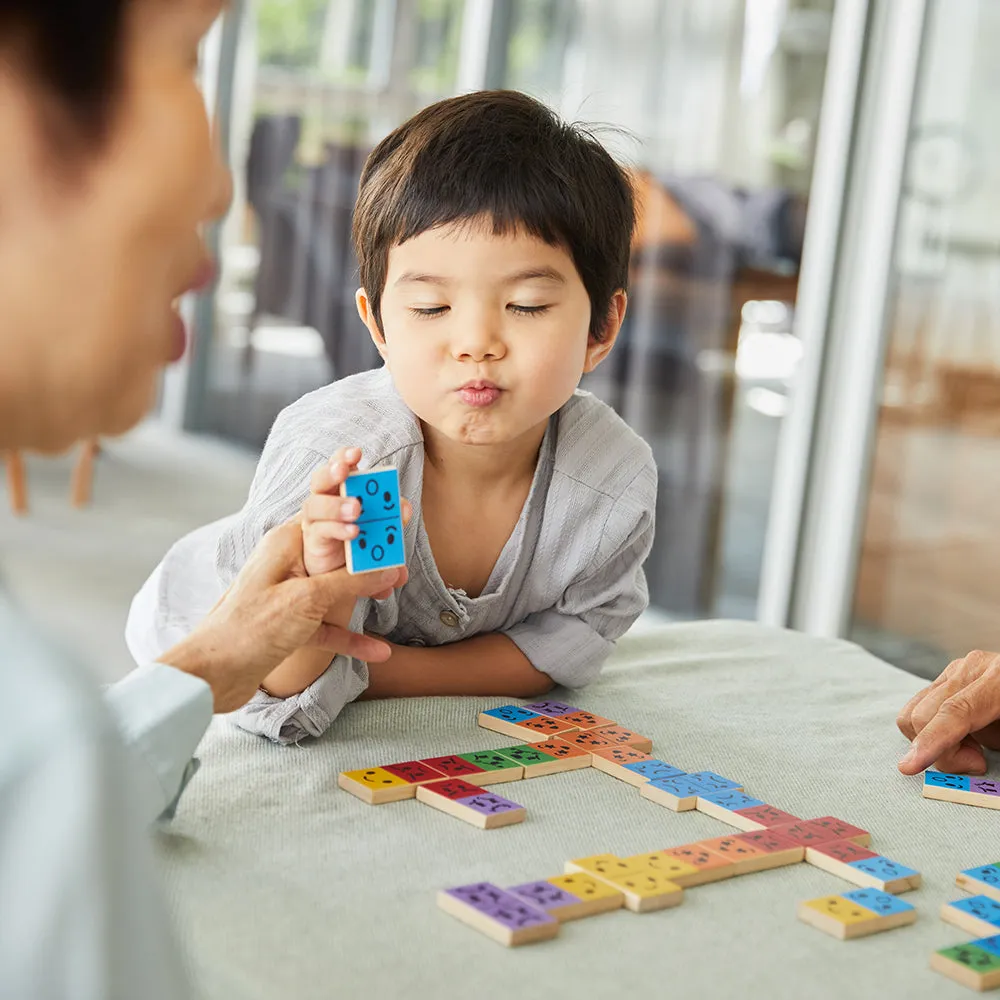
{"x": 569, "y": 580}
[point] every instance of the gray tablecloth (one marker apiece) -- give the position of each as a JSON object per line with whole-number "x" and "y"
{"x": 285, "y": 886}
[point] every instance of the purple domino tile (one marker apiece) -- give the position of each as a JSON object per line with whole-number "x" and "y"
{"x": 489, "y": 804}
{"x": 484, "y": 896}
{"x": 545, "y": 895}
{"x": 985, "y": 786}
{"x": 520, "y": 914}
{"x": 553, "y": 709}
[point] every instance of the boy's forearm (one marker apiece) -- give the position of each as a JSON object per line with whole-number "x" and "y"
{"x": 485, "y": 666}
{"x": 296, "y": 673}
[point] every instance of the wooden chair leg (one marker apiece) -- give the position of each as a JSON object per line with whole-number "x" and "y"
{"x": 17, "y": 482}
{"x": 83, "y": 474}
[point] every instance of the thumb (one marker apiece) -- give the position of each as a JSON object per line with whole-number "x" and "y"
{"x": 334, "y": 588}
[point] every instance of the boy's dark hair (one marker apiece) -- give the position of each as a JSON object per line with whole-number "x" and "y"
{"x": 501, "y": 155}
{"x": 72, "y": 51}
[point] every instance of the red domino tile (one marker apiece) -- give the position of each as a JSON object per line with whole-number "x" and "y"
{"x": 767, "y": 815}
{"x": 767, "y": 841}
{"x": 416, "y": 772}
{"x": 840, "y": 829}
{"x": 453, "y": 788}
{"x": 844, "y": 850}
{"x": 452, "y": 765}
{"x": 808, "y": 833}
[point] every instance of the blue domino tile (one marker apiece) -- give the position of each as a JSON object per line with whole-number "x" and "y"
{"x": 732, "y": 800}
{"x": 655, "y": 769}
{"x": 979, "y": 906}
{"x": 883, "y": 868}
{"x": 712, "y": 782}
{"x": 882, "y": 903}
{"x": 938, "y": 779}
{"x": 510, "y": 713}
{"x": 990, "y": 944}
{"x": 379, "y": 545}
{"x": 990, "y": 874}
{"x": 679, "y": 786}
{"x": 378, "y": 492}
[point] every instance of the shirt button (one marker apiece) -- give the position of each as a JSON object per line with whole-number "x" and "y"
{"x": 416, "y": 642}
{"x": 449, "y": 619}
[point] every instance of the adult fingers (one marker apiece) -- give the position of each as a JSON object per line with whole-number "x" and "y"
{"x": 905, "y": 718}
{"x": 966, "y": 758}
{"x": 332, "y": 589}
{"x": 328, "y": 477}
{"x": 974, "y": 707}
{"x": 341, "y": 640}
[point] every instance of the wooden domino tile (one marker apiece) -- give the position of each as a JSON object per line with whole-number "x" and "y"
{"x": 709, "y": 866}
{"x": 681, "y": 793}
{"x": 570, "y": 758}
{"x": 779, "y": 848}
{"x": 602, "y": 866}
{"x": 764, "y": 817}
{"x": 553, "y": 709}
{"x": 453, "y": 766}
{"x": 376, "y": 785}
{"x": 863, "y": 867}
{"x": 506, "y": 719}
{"x": 586, "y": 720}
{"x": 502, "y": 916}
{"x": 985, "y": 880}
{"x": 542, "y": 728}
{"x": 618, "y": 734}
{"x": 755, "y": 855}
{"x": 586, "y": 740}
{"x": 416, "y": 772}
{"x": 614, "y": 760}
{"x": 857, "y": 913}
{"x": 645, "y": 891}
{"x": 727, "y": 805}
{"x": 495, "y": 766}
{"x": 812, "y": 832}
{"x": 571, "y": 897}
{"x": 672, "y": 868}
{"x": 979, "y": 915}
{"x": 983, "y": 792}
{"x": 471, "y": 804}
{"x": 655, "y": 768}
{"x": 534, "y": 761}
{"x": 975, "y": 965}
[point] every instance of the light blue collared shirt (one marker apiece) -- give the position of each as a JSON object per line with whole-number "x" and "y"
{"x": 82, "y": 777}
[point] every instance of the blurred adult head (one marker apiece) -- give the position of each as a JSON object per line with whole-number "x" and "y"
{"x": 107, "y": 175}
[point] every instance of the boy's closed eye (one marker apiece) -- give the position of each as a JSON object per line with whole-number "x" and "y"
{"x": 429, "y": 312}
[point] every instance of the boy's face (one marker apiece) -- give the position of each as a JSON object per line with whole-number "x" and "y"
{"x": 486, "y": 336}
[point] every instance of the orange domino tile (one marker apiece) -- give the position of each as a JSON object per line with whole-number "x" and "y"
{"x": 587, "y": 740}
{"x": 586, "y": 720}
{"x": 619, "y": 734}
{"x": 544, "y": 728}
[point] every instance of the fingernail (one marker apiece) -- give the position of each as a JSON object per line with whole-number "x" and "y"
{"x": 908, "y": 757}
{"x": 347, "y": 510}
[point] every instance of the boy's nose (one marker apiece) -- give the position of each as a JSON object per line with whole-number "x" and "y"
{"x": 478, "y": 342}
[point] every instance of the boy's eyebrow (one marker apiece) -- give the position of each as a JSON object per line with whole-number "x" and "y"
{"x": 528, "y": 274}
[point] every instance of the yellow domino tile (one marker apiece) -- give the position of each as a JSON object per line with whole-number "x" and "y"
{"x": 604, "y": 866}
{"x": 837, "y": 916}
{"x": 586, "y": 887}
{"x": 375, "y": 785}
{"x": 663, "y": 864}
{"x": 647, "y": 890}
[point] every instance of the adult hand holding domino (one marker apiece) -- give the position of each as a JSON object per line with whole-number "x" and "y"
{"x": 354, "y": 518}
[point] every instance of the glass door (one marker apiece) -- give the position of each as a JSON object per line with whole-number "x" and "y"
{"x": 927, "y": 588}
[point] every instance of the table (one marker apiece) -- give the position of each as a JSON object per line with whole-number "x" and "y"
{"x": 286, "y": 886}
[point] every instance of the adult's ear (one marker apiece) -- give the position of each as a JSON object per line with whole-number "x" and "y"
{"x": 367, "y": 314}
{"x": 598, "y": 350}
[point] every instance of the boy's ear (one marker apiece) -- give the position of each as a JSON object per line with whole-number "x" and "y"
{"x": 367, "y": 315}
{"x": 598, "y": 350}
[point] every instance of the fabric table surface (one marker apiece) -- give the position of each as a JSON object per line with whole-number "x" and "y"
{"x": 285, "y": 886}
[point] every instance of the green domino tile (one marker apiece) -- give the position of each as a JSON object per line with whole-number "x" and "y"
{"x": 972, "y": 957}
{"x": 489, "y": 760}
{"x": 526, "y": 755}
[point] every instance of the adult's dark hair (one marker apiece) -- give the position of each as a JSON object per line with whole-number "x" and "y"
{"x": 72, "y": 51}
{"x": 499, "y": 155}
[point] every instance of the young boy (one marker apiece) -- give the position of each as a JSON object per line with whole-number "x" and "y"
{"x": 493, "y": 243}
